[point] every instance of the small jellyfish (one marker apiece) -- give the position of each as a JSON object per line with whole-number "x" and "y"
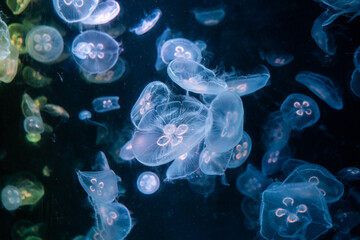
{"x": 103, "y": 13}
{"x": 4, "y": 40}
{"x": 18, "y": 33}
{"x": 147, "y": 23}
{"x": 349, "y": 174}
{"x": 240, "y": 152}
{"x": 95, "y": 51}
{"x": 33, "y": 125}
{"x": 355, "y": 83}
{"x": 356, "y": 58}
{"x": 194, "y": 77}
{"x": 85, "y": 116}
{"x": 34, "y": 78}
{"x": 201, "y": 183}
{"x": 224, "y": 124}
{"x": 344, "y": 215}
{"x": 111, "y": 75}
{"x": 9, "y": 66}
{"x": 278, "y": 59}
{"x": 148, "y": 183}
{"x": 300, "y": 111}
{"x": 33, "y": 137}
{"x": 214, "y": 163}
{"x": 273, "y": 159}
{"x": 11, "y": 198}
{"x": 44, "y": 44}
{"x": 17, "y": 6}
{"x": 251, "y": 210}
{"x": 56, "y": 111}
{"x": 74, "y": 10}
{"x": 40, "y": 101}
{"x": 126, "y": 152}
{"x": 323, "y": 39}
{"x": 105, "y": 104}
{"x": 180, "y": 48}
{"x": 209, "y": 17}
{"x": 321, "y": 86}
{"x": 29, "y": 107}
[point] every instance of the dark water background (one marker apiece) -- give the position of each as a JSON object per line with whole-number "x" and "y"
{"x": 176, "y": 212}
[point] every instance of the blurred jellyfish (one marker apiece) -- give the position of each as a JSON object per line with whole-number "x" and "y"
{"x": 74, "y": 10}
{"x": 331, "y": 188}
{"x": 300, "y": 111}
{"x": 4, "y": 40}
{"x": 85, "y": 116}
{"x": 56, "y": 111}
{"x": 180, "y": 48}
{"x": 209, "y": 17}
{"x": 148, "y": 183}
{"x": 251, "y": 209}
{"x": 95, "y": 51}
{"x": 224, "y": 124}
{"x": 105, "y": 104}
{"x": 201, "y": 183}
{"x": 194, "y": 77}
{"x": 11, "y": 198}
{"x": 323, "y": 39}
{"x": 355, "y": 83}
{"x": 29, "y": 107}
{"x": 349, "y": 174}
{"x": 276, "y": 131}
{"x": 18, "y": 33}
{"x": 103, "y": 13}
{"x": 17, "y": 6}
{"x": 40, "y": 101}
{"x": 273, "y": 159}
{"x": 126, "y": 152}
{"x": 9, "y": 65}
{"x": 24, "y": 229}
{"x": 344, "y": 216}
{"x": 200, "y": 44}
{"x": 147, "y": 23}
{"x": 33, "y": 125}
{"x": 252, "y": 183}
{"x": 321, "y": 86}
{"x": 34, "y": 78}
{"x": 356, "y": 58}
{"x": 293, "y": 211}
{"x": 44, "y": 44}
{"x": 214, "y": 163}
{"x": 33, "y": 137}
{"x": 337, "y": 8}
{"x": 278, "y": 59}
{"x": 288, "y": 166}
{"x": 111, "y": 75}
{"x": 240, "y": 152}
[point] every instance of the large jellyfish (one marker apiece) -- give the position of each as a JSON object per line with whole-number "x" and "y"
{"x": 74, "y": 10}
{"x": 322, "y": 38}
{"x": 9, "y": 66}
{"x": 103, "y": 13}
{"x": 4, "y": 40}
{"x": 180, "y": 48}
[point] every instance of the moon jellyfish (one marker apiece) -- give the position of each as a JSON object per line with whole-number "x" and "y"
{"x": 349, "y": 174}
{"x": 85, "y": 116}
{"x": 56, "y": 111}
{"x": 202, "y": 184}
{"x": 209, "y": 17}
{"x": 29, "y": 107}
{"x": 293, "y": 211}
{"x": 224, "y": 123}
{"x": 323, "y": 39}
{"x": 126, "y": 152}
{"x": 105, "y": 104}
{"x": 34, "y": 78}
{"x": 103, "y": 13}
{"x": 344, "y": 216}
{"x": 273, "y": 159}
{"x": 355, "y": 83}
{"x": 17, "y": 6}
{"x": 168, "y": 131}
{"x": 111, "y": 75}
{"x": 74, "y": 10}
{"x": 337, "y": 8}
{"x": 299, "y": 111}
{"x": 33, "y": 125}
{"x": 166, "y": 35}
{"x": 321, "y": 86}
{"x": 240, "y": 152}
{"x": 18, "y": 33}
{"x": 95, "y": 51}
{"x": 356, "y": 58}
{"x": 4, "y": 40}
{"x": 11, "y": 198}
{"x": 148, "y": 183}
{"x": 214, "y": 163}
{"x": 252, "y": 183}
{"x": 247, "y": 84}
{"x": 194, "y": 77}
{"x": 180, "y": 48}
{"x": 331, "y": 188}
{"x": 154, "y": 94}
{"x": 278, "y": 59}
{"x": 44, "y": 44}
{"x": 147, "y": 23}
{"x": 276, "y": 131}
{"x": 9, "y": 66}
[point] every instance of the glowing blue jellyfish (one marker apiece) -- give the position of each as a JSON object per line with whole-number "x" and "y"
{"x": 166, "y": 35}
{"x": 251, "y": 210}
{"x": 126, "y": 152}
{"x": 147, "y": 23}
{"x": 201, "y": 183}
{"x": 148, "y": 183}
{"x": 214, "y": 163}
{"x": 299, "y": 111}
{"x": 247, "y": 84}
{"x": 105, "y": 104}
{"x": 252, "y": 183}
{"x": 153, "y": 94}
{"x": 240, "y": 152}
{"x": 276, "y": 131}
{"x": 293, "y": 211}
{"x": 180, "y": 48}
{"x": 356, "y": 58}
{"x": 273, "y": 159}
{"x": 103, "y": 13}
{"x": 201, "y": 45}
{"x": 33, "y": 125}
{"x": 194, "y": 77}
{"x": 323, "y": 39}
{"x": 95, "y": 51}
{"x": 74, "y": 10}
{"x": 355, "y": 83}
{"x": 289, "y": 166}
{"x": 44, "y": 44}
{"x": 329, "y": 186}
{"x": 224, "y": 124}
{"x": 344, "y": 215}
{"x": 168, "y": 131}
{"x": 321, "y": 86}
{"x": 4, "y": 40}
{"x": 11, "y": 197}
{"x": 209, "y": 17}
{"x": 349, "y": 174}
{"x": 278, "y": 59}
{"x": 85, "y": 116}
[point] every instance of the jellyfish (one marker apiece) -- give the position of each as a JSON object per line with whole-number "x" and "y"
{"x": 201, "y": 183}
{"x": 273, "y": 159}
{"x": 148, "y": 183}
{"x": 166, "y": 35}
{"x": 9, "y": 66}
{"x": 293, "y": 211}
{"x": 11, "y": 197}
{"x": 33, "y": 125}
{"x": 349, "y": 174}
{"x": 288, "y": 166}
{"x": 344, "y": 215}
{"x": 18, "y": 33}
{"x": 240, "y": 152}
{"x": 85, "y": 116}
{"x": 56, "y": 111}
{"x": 168, "y": 131}
{"x": 247, "y": 84}
{"x": 4, "y": 40}
{"x": 224, "y": 123}
{"x": 321, "y": 86}
{"x": 356, "y": 58}
{"x": 33, "y": 137}
{"x": 355, "y": 83}
{"x": 40, "y": 101}
{"x": 276, "y": 131}
{"x": 95, "y": 51}
{"x": 147, "y": 23}
{"x": 17, "y": 6}
{"x": 252, "y": 183}
{"x": 323, "y": 39}
{"x": 251, "y": 210}
{"x": 103, "y": 13}
{"x": 126, "y": 152}
{"x": 24, "y": 229}
{"x": 34, "y": 78}
{"x": 300, "y": 111}
{"x": 154, "y": 94}
{"x": 74, "y": 10}
{"x": 180, "y": 48}
{"x": 209, "y": 17}
{"x": 337, "y": 8}
{"x": 331, "y": 188}
{"x": 29, "y": 107}
{"x": 44, "y": 44}
{"x": 278, "y": 59}
{"x": 194, "y": 77}
{"x": 105, "y": 104}
{"x": 214, "y": 163}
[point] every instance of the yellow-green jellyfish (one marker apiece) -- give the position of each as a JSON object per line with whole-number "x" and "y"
{"x": 18, "y": 33}
{"x": 34, "y": 78}
{"x": 33, "y": 137}
{"x": 17, "y": 6}
{"x": 9, "y": 66}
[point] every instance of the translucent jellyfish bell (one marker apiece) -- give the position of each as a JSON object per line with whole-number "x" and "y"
{"x": 11, "y": 198}
{"x": 349, "y": 174}
{"x": 273, "y": 159}
{"x": 4, "y": 40}
{"x": 323, "y": 39}
{"x": 209, "y": 17}
{"x": 105, "y": 104}
{"x": 74, "y": 10}
{"x": 33, "y": 125}
{"x": 18, "y": 33}
{"x": 355, "y": 82}
{"x": 180, "y": 48}
{"x": 44, "y": 44}
{"x": 240, "y": 152}
{"x": 16, "y": 6}
{"x": 86, "y": 116}
{"x": 34, "y": 78}
{"x": 126, "y": 152}
{"x": 9, "y": 66}
{"x": 95, "y": 51}
{"x": 278, "y": 59}
{"x": 147, "y": 23}
{"x": 104, "y": 13}
{"x": 148, "y": 183}
{"x": 56, "y": 111}
{"x": 214, "y": 163}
